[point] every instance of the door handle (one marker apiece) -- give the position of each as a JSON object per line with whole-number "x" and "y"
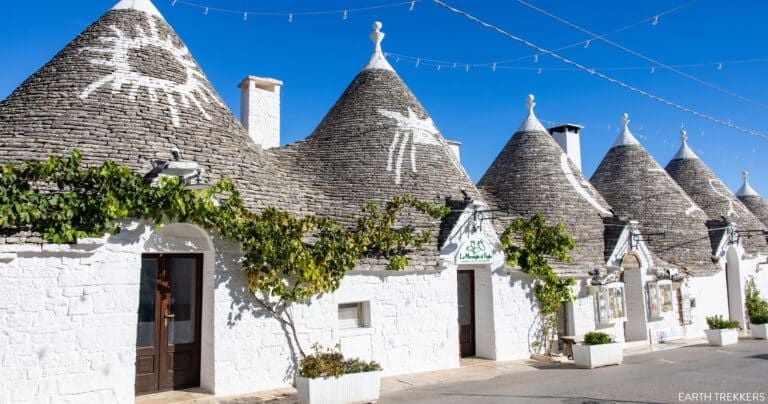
{"x": 168, "y": 315}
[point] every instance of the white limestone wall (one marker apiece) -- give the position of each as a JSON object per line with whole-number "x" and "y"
{"x": 761, "y": 279}
{"x": 260, "y": 110}
{"x": 749, "y": 268}
{"x": 711, "y": 299}
{"x": 515, "y": 315}
{"x": 68, "y": 323}
{"x": 413, "y": 327}
{"x": 68, "y": 315}
{"x": 584, "y": 315}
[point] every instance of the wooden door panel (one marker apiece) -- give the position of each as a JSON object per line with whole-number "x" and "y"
{"x": 184, "y": 326}
{"x": 173, "y": 328}
{"x": 466, "y": 300}
{"x": 147, "y": 327}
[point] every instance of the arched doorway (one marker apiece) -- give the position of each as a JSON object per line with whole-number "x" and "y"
{"x": 169, "y": 336}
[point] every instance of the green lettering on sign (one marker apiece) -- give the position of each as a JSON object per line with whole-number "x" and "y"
{"x": 475, "y": 251}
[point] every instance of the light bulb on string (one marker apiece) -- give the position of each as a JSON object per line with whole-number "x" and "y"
{"x": 493, "y": 67}
{"x": 344, "y": 17}
{"x": 290, "y": 17}
{"x": 719, "y": 66}
{"x": 418, "y": 62}
{"x": 174, "y": 2}
{"x": 439, "y": 67}
{"x": 413, "y": 5}
{"x": 205, "y": 12}
{"x": 536, "y": 58}
{"x": 586, "y": 44}
{"x": 466, "y": 68}
{"x": 655, "y": 21}
{"x": 653, "y": 69}
{"x": 454, "y": 65}
{"x": 245, "y": 16}
{"x": 540, "y": 70}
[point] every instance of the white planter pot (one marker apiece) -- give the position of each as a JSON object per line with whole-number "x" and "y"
{"x": 759, "y": 331}
{"x": 593, "y": 356}
{"x": 728, "y": 336}
{"x": 351, "y": 388}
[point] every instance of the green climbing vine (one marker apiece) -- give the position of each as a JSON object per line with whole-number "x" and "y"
{"x": 530, "y": 244}
{"x": 287, "y": 259}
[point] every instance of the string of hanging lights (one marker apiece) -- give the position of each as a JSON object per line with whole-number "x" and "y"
{"x": 599, "y": 74}
{"x": 344, "y": 13}
{"x": 655, "y": 62}
{"x": 494, "y": 66}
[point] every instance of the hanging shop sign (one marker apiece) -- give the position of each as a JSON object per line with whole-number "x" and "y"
{"x": 475, "y": 251}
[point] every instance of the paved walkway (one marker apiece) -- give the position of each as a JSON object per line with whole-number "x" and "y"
{"x": 472, "y": 369}
{"x": 697, "y": 373}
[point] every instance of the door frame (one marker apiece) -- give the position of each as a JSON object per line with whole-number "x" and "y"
{"x": 163, "y": 367}
{"x": 473, "y": 320}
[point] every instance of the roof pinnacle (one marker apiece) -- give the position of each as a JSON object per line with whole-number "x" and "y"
{"x": 531, "y": 123}
{"x": 685, "y": 152}
{"x": 626, "y": 137}
{"x": 378, "y": 61}
{"x": 530, "y": 103}
{"x": 138, "y": 5}
{"x": 746, "y": 189}
{"x": 377, "y": 36}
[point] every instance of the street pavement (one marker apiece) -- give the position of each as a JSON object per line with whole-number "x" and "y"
{"x": 692, "y": 374}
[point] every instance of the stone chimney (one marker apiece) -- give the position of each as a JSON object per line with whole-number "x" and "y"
{"x": 568, "y": 137}
{"x": 455, "y": 147}
{"x": 260, "y": 110}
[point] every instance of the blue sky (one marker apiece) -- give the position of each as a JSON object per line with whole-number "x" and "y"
{"x": 317, "y": 57}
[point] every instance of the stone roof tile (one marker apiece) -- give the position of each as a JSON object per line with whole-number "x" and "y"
{"x": 709, "y": 193}
{"x": 637, "y": 187}
{"x": 533, "y": 175}
{"x": 127, "y": 89}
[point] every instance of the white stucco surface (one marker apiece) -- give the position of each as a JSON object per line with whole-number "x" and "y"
{"x": 260, "y": 110}
{"x": 68, "y": 315}
{"x": 68, "y": 325}
{"x": 711, "y": 299}
{"x": 413, "y": 328}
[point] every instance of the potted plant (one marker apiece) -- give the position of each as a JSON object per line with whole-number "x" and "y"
{"x": 722, "y": 332}
{"x": 598, "y": 349}
{"x": 757, "y": 311}
{"x": 326, "y": 377}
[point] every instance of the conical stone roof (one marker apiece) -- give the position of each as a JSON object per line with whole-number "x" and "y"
{"x": 127, "y": 89}
{"x": 709, "y": 192}
{"x": 752, "y": 200}
{"x": 637, "y": 187}
{"x": 533, "y": 175}
{"x": 377, "y": 142}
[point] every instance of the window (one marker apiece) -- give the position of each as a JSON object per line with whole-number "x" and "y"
{"x": 354, "y": 315}
{"x": 660, "y": 298}
{"x": 611, "y": 306}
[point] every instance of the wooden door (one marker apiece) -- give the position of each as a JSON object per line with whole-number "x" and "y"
{"x": 168, "y": 330}
{"x": 466, "y": 298}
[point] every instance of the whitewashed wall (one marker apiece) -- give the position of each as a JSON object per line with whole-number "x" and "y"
{"x": 413, "y": 327}
{"x": 68, "y": 315}
{"x": 585, "y": 315}
{"x": 711, "y": 299}
{"x": 515, "y": 316}
{"x": 68, "y": 323}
